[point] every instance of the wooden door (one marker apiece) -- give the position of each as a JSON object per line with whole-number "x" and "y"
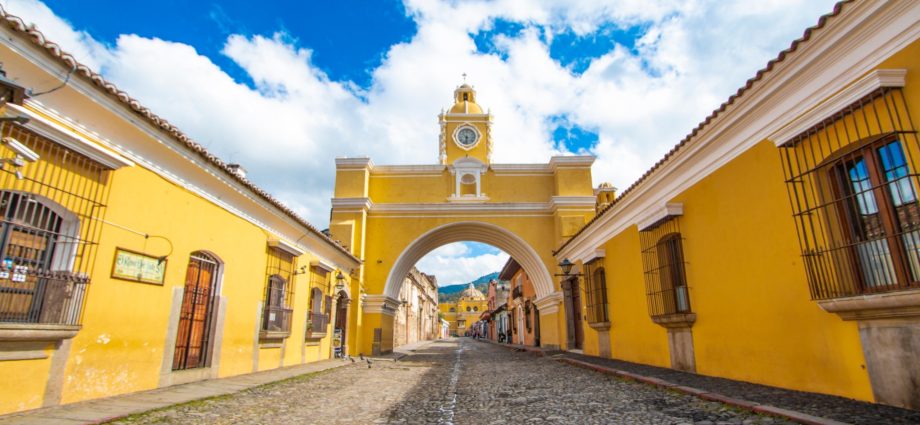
{"x": 195, "y": 316}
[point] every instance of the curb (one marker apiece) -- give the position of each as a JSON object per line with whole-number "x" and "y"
{"x": 764, "y": 409}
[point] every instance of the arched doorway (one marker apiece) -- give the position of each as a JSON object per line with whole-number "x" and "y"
{"x": 340, "y": 330}
{"x": 196, "y": 314}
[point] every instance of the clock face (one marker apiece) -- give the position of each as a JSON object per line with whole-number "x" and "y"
{"x": 467, "y": 137}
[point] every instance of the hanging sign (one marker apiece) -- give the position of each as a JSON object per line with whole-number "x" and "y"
{"x": 137, "y": 267}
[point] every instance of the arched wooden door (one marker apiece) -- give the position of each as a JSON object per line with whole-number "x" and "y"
{"x": 196, "y": 315}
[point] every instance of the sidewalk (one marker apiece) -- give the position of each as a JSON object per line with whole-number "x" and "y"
{"x": 759, "y": 398}
{"x": 107, "y": 409}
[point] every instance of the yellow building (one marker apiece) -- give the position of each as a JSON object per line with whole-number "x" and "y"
{"x": 777, "y": 242}
{"x": 465, "y": 311}
{"x": 391, "y": 216}
{"x": 132, "y": 258}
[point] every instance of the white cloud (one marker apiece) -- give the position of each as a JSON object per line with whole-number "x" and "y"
{"x": 288, "y": 130}
{"x": 457, "y": 263}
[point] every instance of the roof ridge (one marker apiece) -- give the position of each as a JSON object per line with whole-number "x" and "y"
{"x": 55, "y": 50}
{"x": 822, "y": 21}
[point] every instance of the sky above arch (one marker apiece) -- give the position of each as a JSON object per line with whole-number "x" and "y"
{"x": 284, "y": 87}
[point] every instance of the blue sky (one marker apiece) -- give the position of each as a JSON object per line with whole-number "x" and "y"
{"x": 623, "y": 80}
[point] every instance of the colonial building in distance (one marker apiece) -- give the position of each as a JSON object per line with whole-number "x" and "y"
{"x": 417, "y": 315}
{"x": 464, "y": 312}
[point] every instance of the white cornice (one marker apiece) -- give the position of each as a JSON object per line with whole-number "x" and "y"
{"x": 413, "y": 170}
{"x": 868, "y": 84}
{"x": 596, "y": 254}
{"x": 657, "y": 215}
{"x": 550, "y": 303}
{"x": 349, "y": 204}
{"x": 320, "y": 264}
{"x": 64, "y": 136}
{"x": 848, "y": 47}
{"x": 569, "y": 203}
{"x": 380, "y": 304}
{"x": 288, "y": 247}
{"x": 571, "y": 161}
{"x": 521, "y": 169}
{"x": 572, "y": 202}
{"x": 359, "y": 163}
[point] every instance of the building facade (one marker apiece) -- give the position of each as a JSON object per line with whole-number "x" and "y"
{"x": 417, "y": 315}
{"x": 132, "y": 258}
{"x": 776, "y": 243}
{"x": 523, "y": 317}
{"x": 463, "y": 313}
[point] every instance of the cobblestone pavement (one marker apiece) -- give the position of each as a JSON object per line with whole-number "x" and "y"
{"x": 454, "y": 382}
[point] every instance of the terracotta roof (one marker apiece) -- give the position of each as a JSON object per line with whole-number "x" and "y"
{"x": 822, "y": 22}
{"x": 16, "y": 23}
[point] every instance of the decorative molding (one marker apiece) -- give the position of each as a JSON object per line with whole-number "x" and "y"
{"x": 850, "y": 45}
{"x": 468, "y": 117}
{"x": 521, "y": 169}
{"x": 63, "y": 136}
{"x": 358, "y": 163}
{"x": 596, "y": 254}
{"x": 675, "y": 321}
{"x": 600, "y": 326}
{"x": 549, "y": 304}
{"x": 887, "y": 305}
{"x": 659, "y": 215}
{"x": 380, "y": 304}
{"x": 571, "y": 161}
{"x": 461, "y": 126}
{"x": 873, "y": 81}
{"x": 570, "y": 202}
{"x": 352, "y": 204}
{"x": 36, "y": 332}
{"x": 286, "y": 246}
{"x": 320, "y": 264}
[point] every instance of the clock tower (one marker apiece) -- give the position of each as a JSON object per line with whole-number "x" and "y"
{"x": 466, "y": 130}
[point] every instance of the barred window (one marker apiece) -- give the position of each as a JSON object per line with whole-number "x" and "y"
{"x": 50, "y": 220}
{"x": 596, "y": 292}
{"x": 279, "y": 292}
{"x": 666, "y": 286}
{"x": 852, "y": 182}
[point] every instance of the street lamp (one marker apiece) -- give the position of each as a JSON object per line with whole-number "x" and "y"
{"x": 566, "y": 267}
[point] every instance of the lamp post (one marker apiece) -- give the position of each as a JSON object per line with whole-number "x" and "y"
{"x": 339, "y": 281}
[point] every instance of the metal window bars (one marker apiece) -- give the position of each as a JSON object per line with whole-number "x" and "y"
{"x": 666, "y": 289}
{"x": 596, "y": 291}
{"x": 50, "y": 220}
{"x": 852, "y": 184}
{"x": 279, "y": 292}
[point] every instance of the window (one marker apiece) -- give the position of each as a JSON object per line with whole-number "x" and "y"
{"x": 453, "y": 309}
{"x": 475, "y": 308}
{"x": 468, "y": 308}
{"x": 596, "y": 291}
{"x": 667, "y": 292}
{"x": 318, "y": 318}
{"x": 852, "y": 181}
{"x": 279, "y": 292}
{"x": 48, "y": 231}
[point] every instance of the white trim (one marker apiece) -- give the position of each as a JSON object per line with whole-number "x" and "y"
{"x": 868, "y": 84}
{"x": 380, "y": 304}
{"x": 596, "y": 254}
{"x": 851, "y": 45}
{"x": 411, "y": 170}
{"x": 571, "y": 161}
{"x": 320, "y": 264}
{"x": 572, "y": 202}
{"x": 465, "y": 116}
{"x": 66, "y": 137}
{"x": 359, "y": 163}
{"x": 352, "y": 204}
{"x": 286, "y": 246}
{"x": 491, "y": 234}
{"x": 657, "y": 215}
{"x": 549, "y": 303}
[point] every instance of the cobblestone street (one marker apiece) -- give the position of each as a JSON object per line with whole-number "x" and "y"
{"x": 454, "y": 382}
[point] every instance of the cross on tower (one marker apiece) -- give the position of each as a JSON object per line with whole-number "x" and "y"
{"x": 464, "y": 77}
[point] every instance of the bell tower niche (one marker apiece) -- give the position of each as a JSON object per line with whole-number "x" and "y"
{"x": 466, "y": 130}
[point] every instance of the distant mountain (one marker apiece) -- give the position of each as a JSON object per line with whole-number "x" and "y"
{"x": 451, "y": 293}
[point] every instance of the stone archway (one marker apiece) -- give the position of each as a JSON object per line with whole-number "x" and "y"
{"x": 471, "y": 231}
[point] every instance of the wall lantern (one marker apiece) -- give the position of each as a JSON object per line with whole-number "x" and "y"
{"x": 566, "y": 267}
{"x": 339, "y": 281}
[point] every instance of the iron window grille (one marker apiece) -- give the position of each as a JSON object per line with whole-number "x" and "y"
{"x": 50, "y": 220}
{"x": 666, "y": 289}
{"x": 279, "y": 292}
{"x": 852, "y": 184}
{"x": 596, "y": 291}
